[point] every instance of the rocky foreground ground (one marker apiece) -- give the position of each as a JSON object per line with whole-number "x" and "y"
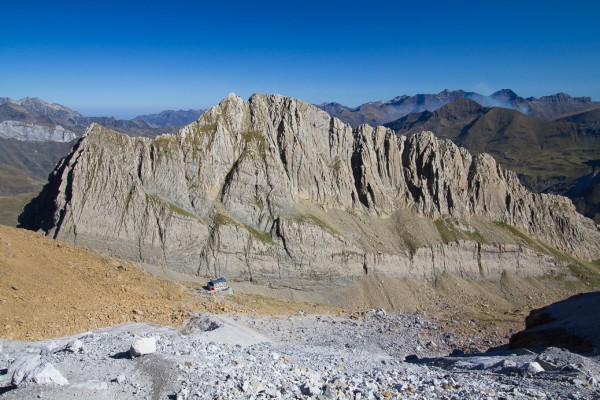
{"x": 265, "y": 347}
{"x": 368, "y": 355}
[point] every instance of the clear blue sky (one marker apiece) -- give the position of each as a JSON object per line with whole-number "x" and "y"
{"x": 124, "y": 57}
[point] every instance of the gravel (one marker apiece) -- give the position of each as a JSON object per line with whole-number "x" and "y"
{"x": 301, "y": 356}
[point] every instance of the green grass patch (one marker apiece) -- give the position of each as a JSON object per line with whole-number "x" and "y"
{"x": 170, "y": 206}
{"x": 314, "y": 220}
{"x": 411, "y": 243}
{"x": 535, "y": 244}
{"x": 337, "y": 165}
{"x": 450, "y": 232}
{"x": 585, "y": 274}
{"x": 165, "y": 143}
{"x": 223, "y": 219}
{"x": 445, "y": 233}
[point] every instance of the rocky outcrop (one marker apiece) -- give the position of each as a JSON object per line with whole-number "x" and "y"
{"x": 35, "y": 133}
{"x": 571, "y": 324}
{"x": 276, "y": 188}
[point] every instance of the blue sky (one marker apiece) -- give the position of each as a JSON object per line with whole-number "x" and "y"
{"x": 125, "y": 58}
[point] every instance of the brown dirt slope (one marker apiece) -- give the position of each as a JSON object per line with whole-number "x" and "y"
{"x": 49, "y": 289}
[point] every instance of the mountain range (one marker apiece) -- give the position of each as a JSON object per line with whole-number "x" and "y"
{"x": 171, "y": 118}
{"x": 36, "y": 112}
{"x": 35, "y": 135}
{"x": 554, "y": 156}
{"x": 276, "y": 189}
{"x": 382, "y": 112}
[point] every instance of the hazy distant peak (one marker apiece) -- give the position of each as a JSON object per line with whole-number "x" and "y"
{"x": 564, "y": 98}
{"x": 505, "y": 94}
{"x": 171, "y": 117}
{"x": 36, "y": 104}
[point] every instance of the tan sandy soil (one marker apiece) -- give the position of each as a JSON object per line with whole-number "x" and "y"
{"x": 51, "y": 289}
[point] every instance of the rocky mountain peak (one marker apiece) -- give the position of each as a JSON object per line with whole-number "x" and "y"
{"x": 275, "y": 187}
{"x": 505, "y": 95}
{"x": 52, "y": 110}
{"x": 564, "y": 98}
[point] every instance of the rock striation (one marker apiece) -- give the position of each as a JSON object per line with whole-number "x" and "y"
{"x": 35, "y": 133}
{"x": 273, "y": 187}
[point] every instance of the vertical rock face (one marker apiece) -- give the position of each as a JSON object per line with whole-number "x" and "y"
{"x": 274, "y": 187}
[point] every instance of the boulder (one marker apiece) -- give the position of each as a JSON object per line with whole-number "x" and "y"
{"x": 571, "y": 324}
{"x": 143, "y": 346}
{"x": 30, "y": 368}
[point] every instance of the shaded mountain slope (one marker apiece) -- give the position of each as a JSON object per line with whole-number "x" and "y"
{"x": 25, "y": 166}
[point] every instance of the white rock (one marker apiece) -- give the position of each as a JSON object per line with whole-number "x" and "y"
{"x": 143, "y": 346}
{"x": 21, "y": 367}
{"x": 76, "y": 346}
{"x": 245, "y": 386}
{"x": 532, "y": 367}
{"x": 36, "y": 133}
{"x": 30, "y": 368}
{"x": 46, "y": 374}
{"x": 183, "y": 394}
{"x": 258, "y": 387}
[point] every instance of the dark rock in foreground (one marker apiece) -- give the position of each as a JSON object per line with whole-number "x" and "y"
{"x": 571, "y": 324}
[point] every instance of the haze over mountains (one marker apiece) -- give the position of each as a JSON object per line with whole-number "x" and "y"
{"x": 382, "y": 112}
{"x": 552, "y": 156}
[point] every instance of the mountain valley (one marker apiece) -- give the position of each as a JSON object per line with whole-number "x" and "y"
{"x": 364, "y": 263}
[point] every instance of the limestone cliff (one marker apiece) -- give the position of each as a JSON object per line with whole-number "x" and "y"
{"x": 276, "y": 188}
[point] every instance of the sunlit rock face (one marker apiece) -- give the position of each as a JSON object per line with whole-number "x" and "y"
{"x": 273, "y": 187}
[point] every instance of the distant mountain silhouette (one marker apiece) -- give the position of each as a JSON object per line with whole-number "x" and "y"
{"x": 35, "y": 135}
{"x": 171, "y": 117}
{"x": 382, "y": 112}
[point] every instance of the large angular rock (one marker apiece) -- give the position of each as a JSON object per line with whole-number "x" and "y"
{"x": 571, "y": 324}
{"x": 142, "y": 346}
{"x": 276, "y": 188}
{"x": 30, "y": 368}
